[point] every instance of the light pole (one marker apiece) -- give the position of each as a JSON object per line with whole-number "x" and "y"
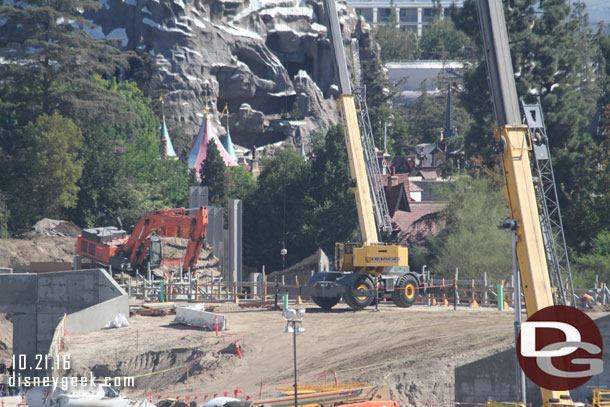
{"x": 294, "y": 325}
{"x": 512, "y": 226}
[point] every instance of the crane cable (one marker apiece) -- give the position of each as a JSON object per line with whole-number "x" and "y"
{"x": 284, "y": 251}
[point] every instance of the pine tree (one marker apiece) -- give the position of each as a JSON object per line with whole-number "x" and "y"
{"x": 330, "y": 193}
{"x": 550, "y": 59}
{"x": 214, "y": 176}
{"x": 397, "y": 44}
{"x": 441, "y": 40}
{"x": 49, "y": 55}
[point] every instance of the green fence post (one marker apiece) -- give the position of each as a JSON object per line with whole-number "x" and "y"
{"x": 500, "y": 297}
{"x": 285, "y": 301}
{"x": 162, "y": 291}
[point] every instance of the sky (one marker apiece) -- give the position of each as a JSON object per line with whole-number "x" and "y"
{"x": 598, "y": 10}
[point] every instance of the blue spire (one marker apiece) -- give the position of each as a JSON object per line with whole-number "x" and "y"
{"x": 229, "y": 146}
{"x": 165, "y": 138}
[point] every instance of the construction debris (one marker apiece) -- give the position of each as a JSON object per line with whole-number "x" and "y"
{"x": 195, "y": 315}
{"x": 53, "y": 227}
{"x": 153, "y": 309}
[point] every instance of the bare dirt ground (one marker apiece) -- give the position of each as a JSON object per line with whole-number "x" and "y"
{"x": 15, "y": 252}
{"x": 413, "y": 351}
{"x": 6, "y": 337}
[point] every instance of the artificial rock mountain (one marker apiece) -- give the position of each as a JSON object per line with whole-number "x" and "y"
{"x": 269, "y": 60}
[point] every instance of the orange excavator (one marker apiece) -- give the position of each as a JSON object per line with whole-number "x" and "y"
{"x": 110, "y": 246}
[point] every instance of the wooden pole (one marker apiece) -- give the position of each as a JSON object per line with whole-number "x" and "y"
{"x": 484, "y": 288}
{"x": 473, "y": 303}
{"x": 299, "y": 300}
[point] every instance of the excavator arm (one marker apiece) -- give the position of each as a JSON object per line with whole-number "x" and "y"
{"x": 171, "y": 223}
{"x": 108, "y": 245}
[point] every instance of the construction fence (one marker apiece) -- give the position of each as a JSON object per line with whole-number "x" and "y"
{"x": 57, "y": 344}
{"x": 473, "y": 293}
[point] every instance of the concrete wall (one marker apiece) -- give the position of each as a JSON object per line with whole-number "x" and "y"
{"x": 494, "y": 377}
{"x": 97, "y": 316}
{"x": 18, "y": 292}
{"x": 39, "y": 301}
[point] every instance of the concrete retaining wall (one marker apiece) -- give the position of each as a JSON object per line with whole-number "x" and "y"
{"x": 97, "y": 316}
{"x": 39, "y": 301}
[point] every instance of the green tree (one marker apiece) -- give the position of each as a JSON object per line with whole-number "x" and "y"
{"x": 277, "y": 212}
{"x": 4, "y": 216}
{"x": 333, "y": 216}
{"x": 122, "y": 146}
{"x": 442, "y": 40}
{"x": 426, "y": 116}
{"x": 596, "y": 262}
{"x": 547, "y": 49}
{"x": 471, "y": 239}
{"x": 396, "y": 42}
{"x": 50, "y": 55}
{"x": 214, "y": 176}
{"x": 139, "y": 133}
{"x": 241, "y": 183}
{"x": 172, "y": 176}
{"x": 54, "y": 143}
{"x": 132, "y": 201}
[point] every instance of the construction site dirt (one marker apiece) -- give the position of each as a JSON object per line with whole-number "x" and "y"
{"x": 412, "y": 351}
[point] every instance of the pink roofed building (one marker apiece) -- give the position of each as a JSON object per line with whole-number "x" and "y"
{"x": 413, "y": 220}
{"x": 199, "y": 148}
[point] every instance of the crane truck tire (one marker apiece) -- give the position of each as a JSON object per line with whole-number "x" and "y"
{"x": 325, "y": 302}
{"x": 405, "y": 292}
{"x": 358, "y": 301}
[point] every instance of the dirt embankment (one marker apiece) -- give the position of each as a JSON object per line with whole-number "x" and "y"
{"x": 413, "y": 351}
{"x": 6, "y": 337}
{"x": 16, "y": 252}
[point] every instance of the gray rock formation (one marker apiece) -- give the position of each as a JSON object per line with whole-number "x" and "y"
{"x": 268, "y": 60}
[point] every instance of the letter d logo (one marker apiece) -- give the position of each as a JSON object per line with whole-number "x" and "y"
{"x": 560, "y": 348}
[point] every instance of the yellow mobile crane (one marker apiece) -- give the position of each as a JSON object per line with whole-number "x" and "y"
{"x": 374, "y": 266}
{"x": 514, "y": 141}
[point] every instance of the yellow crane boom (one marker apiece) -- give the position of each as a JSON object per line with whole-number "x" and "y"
{"x": 519, "y": 186}
{"x": 360, "y": 185}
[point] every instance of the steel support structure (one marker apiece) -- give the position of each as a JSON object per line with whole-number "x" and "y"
{"x": 550, "y": 215}
{"x": 382, "y": 212}
{"x": 516, "y": 145}
{"x": 376, "y": 191}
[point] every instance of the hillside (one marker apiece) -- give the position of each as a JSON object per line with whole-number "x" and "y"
{"x": 269, "y": 61}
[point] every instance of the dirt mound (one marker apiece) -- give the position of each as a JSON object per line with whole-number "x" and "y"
{"x": 20, "y": 252}
{"x": 6, "y": 337}
{"x": 174, "y": 249}
{"x": 53, "y": 227}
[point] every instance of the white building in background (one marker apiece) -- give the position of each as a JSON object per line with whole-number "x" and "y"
{"x": 415, "y": 15}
